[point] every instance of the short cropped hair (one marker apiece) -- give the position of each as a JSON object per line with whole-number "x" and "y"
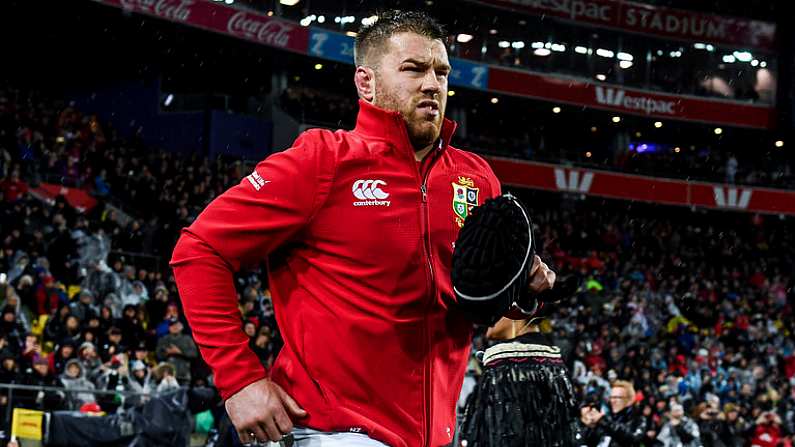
{"x": 374, "y": 36}
{"x": 628, "y": 388}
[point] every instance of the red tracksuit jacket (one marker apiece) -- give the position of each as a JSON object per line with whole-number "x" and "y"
{"x": 358, "y": 239}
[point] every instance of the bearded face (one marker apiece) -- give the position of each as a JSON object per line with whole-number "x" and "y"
{"x": 411, "y": 79}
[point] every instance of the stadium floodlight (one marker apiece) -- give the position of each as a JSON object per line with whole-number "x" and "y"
{"x": 556, "y": 109}
{"x": 625, "y": 56}
{"x": 625, "y": 64}
{"x": 616, "y": 119}
{"x": 601, "y": 77}
{"x": 503, "y": 44}
{"x": 754, "y": 62}
{"x": 542, "y": 52}
{"x": 658, "y": 124}
{"x": 518, "y": 45}
{"x": 700, "y": 46}
{"x": 580, "y": 50}
{"x": 559, "y": 47}
{"x": 537, "y": 45}
{"x": 367, "y": 21}
{"x": 463, "y": 38}
{"x": 229, "y": 2}
{"x": 169, "y": 99}
{"x": 289, "y": 2}
{"x": 743, "y": 56}
{"x": 729, "y": 59}
{"x": 321, "y": 19}
{"x": 604, "y": 53}
{"x": 710, "y": 48}
{"x": 780, "y": 143}
{"x": 495, "y": 100}
{"x": 763, "y": 64}
{"x": 718, "y": 131}
{"x": 451, "y": 93}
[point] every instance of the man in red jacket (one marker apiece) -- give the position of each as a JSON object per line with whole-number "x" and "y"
{"x": 357, "y": 228}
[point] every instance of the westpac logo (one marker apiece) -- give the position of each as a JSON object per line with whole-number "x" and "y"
{"x": 369, "y": 193}
{"x": 573, "y": 182}
{"x": 619, "y": 98}
{"x": 732, "y": 197}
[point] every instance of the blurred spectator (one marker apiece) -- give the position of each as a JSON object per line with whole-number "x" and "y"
{"x": 768, "y": 431}
{"x": 84, "y": 308}
{"x": 731, "y": 169}
{"x": 178, "y": 349}
{"x": 680, "y": 430}
{"x": 140, "y": 381}
{"x": 621, "y": 427}
{"x": 13, "y": 187}
{"x": 39, "y": 374}
{"x": 735, "y": 428}
{"x": 89, "y": 360}
{"x": 66, "y": 350}
{"x": 164, "y": 376}
{"x": 74, "y": 378}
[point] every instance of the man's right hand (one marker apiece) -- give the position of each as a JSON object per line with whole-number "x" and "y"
{"x": 263, "y": 409}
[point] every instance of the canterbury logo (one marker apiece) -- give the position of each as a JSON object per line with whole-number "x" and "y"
{"x": 369, "y": 193}
{"x": 732, "y": 197}
{"x": 574, "y": 182}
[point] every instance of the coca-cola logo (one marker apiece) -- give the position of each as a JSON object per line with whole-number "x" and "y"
{"x": 270, "y": 32}
{"x": 177, "y": 10}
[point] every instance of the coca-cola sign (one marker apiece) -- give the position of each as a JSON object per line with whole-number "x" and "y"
{"x": 223, "y": 19}
{"x": 266, "y": 30}
{"x": 176, "y": 10}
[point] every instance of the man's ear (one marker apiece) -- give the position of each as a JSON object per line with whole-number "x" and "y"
{"x": 364, "y": 78}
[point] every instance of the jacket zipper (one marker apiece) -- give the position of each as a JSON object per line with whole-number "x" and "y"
{"x": 426, "y": 236}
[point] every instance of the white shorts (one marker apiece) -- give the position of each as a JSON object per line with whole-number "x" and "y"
{"x": 306, "y": 437}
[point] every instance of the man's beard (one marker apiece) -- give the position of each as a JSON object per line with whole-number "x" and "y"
{"x": 422, "y": 133}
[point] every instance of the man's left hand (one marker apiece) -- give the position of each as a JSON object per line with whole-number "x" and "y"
{"x": 541, "y": 277}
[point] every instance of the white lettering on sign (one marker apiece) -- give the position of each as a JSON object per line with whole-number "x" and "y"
{"x": 177, "y": 10}
{"x": 732, "y": 197}
{"x": 573, "y": 9}
{"x": 573, "y": 182}
{"x": 268, "y": 31}
{"x": 688, "y": 26}
{"x": 619, "y": 98}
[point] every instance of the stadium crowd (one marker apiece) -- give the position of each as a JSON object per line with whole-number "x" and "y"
{"x": 685, "y": 325}
{"x": 682, "y": 337}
